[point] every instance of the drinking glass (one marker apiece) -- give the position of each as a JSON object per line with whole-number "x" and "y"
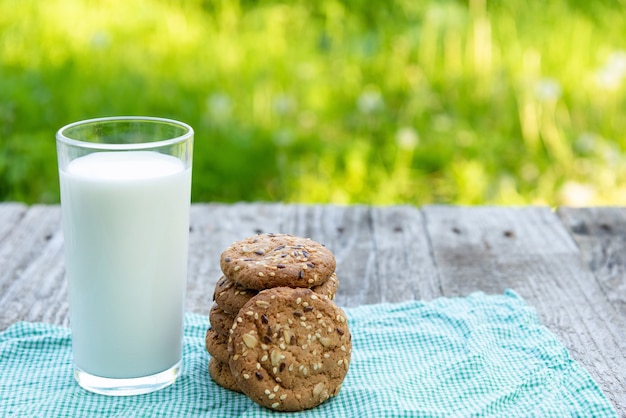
{"x": 125, "y": 198}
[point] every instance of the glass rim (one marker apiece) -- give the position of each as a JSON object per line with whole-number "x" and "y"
{"x": 61, "y": 137}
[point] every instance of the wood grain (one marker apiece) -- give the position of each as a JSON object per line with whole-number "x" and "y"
{"x": 32, "y": 284}
{"x": 570, "y": 265}
{"x": 382, "y": 254}
{"x": 601, "y": 236}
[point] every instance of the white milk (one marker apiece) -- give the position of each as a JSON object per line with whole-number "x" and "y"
{"x": 126, "y": 228}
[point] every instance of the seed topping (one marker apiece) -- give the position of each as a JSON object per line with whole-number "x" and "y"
{"x": 249, "y": 340}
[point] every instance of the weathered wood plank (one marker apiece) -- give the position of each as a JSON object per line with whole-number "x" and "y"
{"x": 529, "y": 250}
{"x": 601, "y": 236}
{"x": 10, "y": 214}
{"x": 32, "y": 286}
{"x": 382, "y": 253}
{"x": 600, "y": 233}
{"x": 405, "y": 262}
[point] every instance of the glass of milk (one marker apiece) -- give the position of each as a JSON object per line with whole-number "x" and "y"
{"x": 125, "y": 197}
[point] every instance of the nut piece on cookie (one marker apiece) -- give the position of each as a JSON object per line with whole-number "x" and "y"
{"x": 290, "y": 348}
{"x": 272, "y": 260}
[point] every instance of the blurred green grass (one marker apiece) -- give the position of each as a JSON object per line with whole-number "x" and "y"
{"x": 479, "y": 102}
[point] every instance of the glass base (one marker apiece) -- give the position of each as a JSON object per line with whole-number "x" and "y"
{"x": 127, "y": 387}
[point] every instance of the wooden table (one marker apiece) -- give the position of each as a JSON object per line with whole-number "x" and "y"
{"x": 569, "y": 264}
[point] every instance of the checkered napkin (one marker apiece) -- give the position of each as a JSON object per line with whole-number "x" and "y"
{"x": 475, "y": 356}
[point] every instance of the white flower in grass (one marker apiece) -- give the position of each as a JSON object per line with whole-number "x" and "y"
{"x": 407, "y": 138}
{"x": 370, "y": 101}
{"x": 219, "y": 105}
{"x": 613, "y": 73}
{"x": 100, "y": 39}
{"x": 612, "y": 155}
{"x": 284, "y": 104}
{"x": 586, "y": 143}
{"x": 548, "y": 90}
{"x": 577, "y": 194}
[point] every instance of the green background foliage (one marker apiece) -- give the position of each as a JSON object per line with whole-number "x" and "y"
{"x": 342, "y": 101}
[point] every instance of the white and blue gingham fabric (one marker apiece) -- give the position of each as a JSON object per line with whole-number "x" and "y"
{"x": 480, "y": 355}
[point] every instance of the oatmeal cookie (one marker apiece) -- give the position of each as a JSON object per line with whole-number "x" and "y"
{"x": 290, "y": 348}
{"x": 272, "y": 260}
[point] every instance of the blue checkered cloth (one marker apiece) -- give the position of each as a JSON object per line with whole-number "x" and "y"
{"x": 479, "y": 355}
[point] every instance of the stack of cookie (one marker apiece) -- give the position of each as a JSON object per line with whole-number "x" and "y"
{"x": 275, "y": 333}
